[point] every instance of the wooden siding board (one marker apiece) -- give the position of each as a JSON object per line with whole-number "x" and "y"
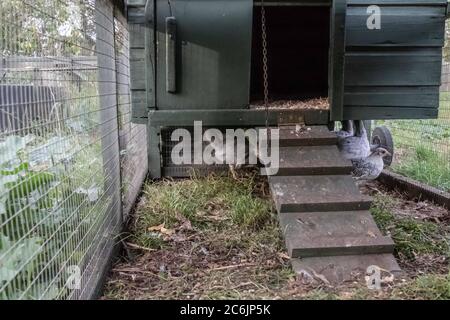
{"x": 400, "y": 26}
{"x": 370, "y": 113}
{"x": 385, "y": 70}
{"x": 139, "y": 112}
{"x": 136, "y": 3}
{"x": 395, "y": 72}
{"x": 397, "y": 2}
{"x": 142, "y": 58}
{"x": 426, "y": 97}
{"x": 137, "y": 36}
{"x": 337, "y": 57}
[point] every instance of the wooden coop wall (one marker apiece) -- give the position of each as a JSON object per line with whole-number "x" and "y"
{"x": 394, "y": 72}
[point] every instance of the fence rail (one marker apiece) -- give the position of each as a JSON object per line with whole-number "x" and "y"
{"x": 71, "y": 162}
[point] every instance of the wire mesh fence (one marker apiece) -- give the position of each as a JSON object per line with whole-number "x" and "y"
{"x": 71, "y": 162}
{"x": 422, "y": 147}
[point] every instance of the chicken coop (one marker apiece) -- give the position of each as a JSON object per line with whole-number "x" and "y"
{"x": 212, "y": 61}
{"x": 91, "y": 91}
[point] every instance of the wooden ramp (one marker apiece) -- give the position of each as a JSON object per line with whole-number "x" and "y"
{"x": 326, "y": 222}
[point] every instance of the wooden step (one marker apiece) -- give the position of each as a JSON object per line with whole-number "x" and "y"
{"x": 338, "y": 269}
{"x": 329, "y": 246}
{"x": 332, "y": 233}
{"x": 312, "y": 160}
{"x": 306, "y": 136}
{"x": 317, "y": 194}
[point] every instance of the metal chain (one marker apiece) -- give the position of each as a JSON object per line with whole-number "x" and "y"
{"x": 265, "y": 64}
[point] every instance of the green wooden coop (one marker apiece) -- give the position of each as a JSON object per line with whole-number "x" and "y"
{"x": 195, "y": 60}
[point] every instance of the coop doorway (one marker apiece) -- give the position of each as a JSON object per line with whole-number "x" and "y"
{"x": 298, "y": 41}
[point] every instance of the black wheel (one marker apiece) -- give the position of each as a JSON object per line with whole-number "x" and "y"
{"x": 381, "y": 137}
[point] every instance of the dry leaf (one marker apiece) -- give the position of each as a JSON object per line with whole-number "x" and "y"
{"x": 156, "y": 228}
{"x": 167, "y": 232}
{"x": 162, "y": 230}
{"x": 371, "y": 234}
{"x": 284, "y": 256}
{"x": 186, "y": 225}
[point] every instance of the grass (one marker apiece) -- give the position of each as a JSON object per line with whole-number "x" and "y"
{"x": 422, "y": 147}
{"x": 201, "y": 201}
{"x": 222, "y": 241}
{"x": 426, "y": 165}
{"x": 427, "y": 287}
{"x": 412, "y": 237}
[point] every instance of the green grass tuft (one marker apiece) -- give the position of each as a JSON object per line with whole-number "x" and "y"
{"x": 428, "y": 287}
{"x": 411, "y": 236}
{"x": 249, "y": 212}
{"x": 222, "y": 200}
{"x": 427, "y": 166}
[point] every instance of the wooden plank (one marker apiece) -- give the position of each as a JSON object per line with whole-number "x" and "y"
{"x": 400, "y": 26}
{"x": 337, "y": 56}
{"x": 331, "y": 233}
{"x": 142, "y": 62}
{"x": 332, "y": 246}
{"x": 235, "y": 117}
{"x": 313, "y": 160}
{"x": 139, "y": 110}
{"x": 317, "y": 193}
{"x": 393, "y": 68}
{"x": 136, "y": 3}
{"x": 417, "y": 97}
{"x": 150, "y": 56}
{"x": 137, "y": 35}
{"x": 307, "y": 225}
{"x": 154, "y": 152}
{"x": 338, "y": 269}
{"x": 136, "y": 15}
{"x": 394, "y": 72}
{"x": 137, "y": 54}
{"x": 378, "y": 113}
{"x": 415, "y": 189}
{"x": 307, "y": 136}
{"x": 138, "y": 75}
{"x": 397, "y": 2}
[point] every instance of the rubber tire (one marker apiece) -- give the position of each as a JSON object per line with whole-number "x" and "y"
{"x": 382, "y": 136}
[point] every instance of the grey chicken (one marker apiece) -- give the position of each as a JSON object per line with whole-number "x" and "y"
{"x": 369, "y": 168}
{"x": 353, "y": 142}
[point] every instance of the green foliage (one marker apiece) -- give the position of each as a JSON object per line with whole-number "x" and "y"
{"x": 45, "y": 27}
{"x": 45, "y": 182}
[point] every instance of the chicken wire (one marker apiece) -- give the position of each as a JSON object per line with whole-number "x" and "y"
{"x": 422, "y": 147}
{"x": 71, "y": 162}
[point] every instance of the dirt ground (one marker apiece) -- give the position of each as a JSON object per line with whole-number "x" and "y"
{"x": 218, "y": 238}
